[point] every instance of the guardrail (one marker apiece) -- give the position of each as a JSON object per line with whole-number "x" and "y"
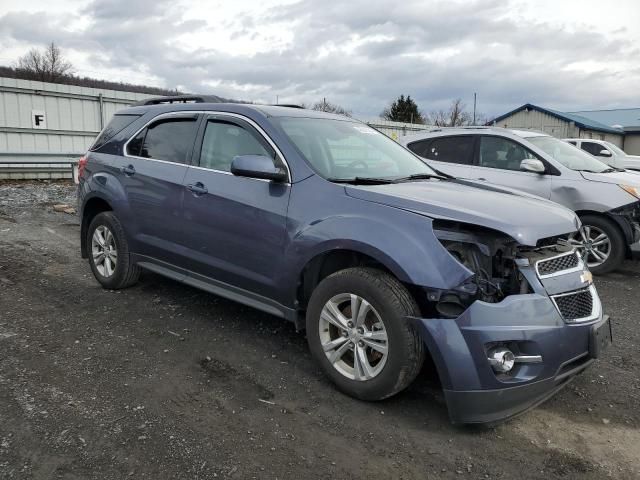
{"x": 28, "y": 166}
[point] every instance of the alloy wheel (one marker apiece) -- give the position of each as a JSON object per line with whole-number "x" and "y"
{"x": 353, "y": 337}
{"x": 593, "y": 244}
{"x": 104, "y": 251}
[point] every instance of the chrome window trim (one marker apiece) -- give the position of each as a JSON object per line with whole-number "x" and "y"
{"x": 577, "y": 268}
{"x": 596, "y": 308}
{"x": 210, "y": 112}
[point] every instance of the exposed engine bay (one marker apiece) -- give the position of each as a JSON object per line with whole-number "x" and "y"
{"x": 491, "y": 257}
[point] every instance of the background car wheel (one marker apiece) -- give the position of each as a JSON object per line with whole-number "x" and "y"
{"x": 358, "y": 332}
{"x": 600, "y": 242}
{"x": 109, "y": 253}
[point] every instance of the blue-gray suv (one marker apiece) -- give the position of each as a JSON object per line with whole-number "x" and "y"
{"x": 324, "y": 221}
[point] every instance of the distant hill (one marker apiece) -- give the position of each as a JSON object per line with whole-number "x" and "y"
{"x": 95, "y": 83}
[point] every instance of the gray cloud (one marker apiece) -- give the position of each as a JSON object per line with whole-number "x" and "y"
{"x": 360, "y": 54}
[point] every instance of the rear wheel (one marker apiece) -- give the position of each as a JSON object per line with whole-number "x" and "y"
{"x": 109, "y": 256}
{"x": 600, "y": 242}
{"x": 358, "y": 332}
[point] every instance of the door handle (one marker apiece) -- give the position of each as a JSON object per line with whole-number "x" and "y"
{"x": 481, "y": 179}
{"x": 128, "y": 170}
{"x": 197, "y": 189}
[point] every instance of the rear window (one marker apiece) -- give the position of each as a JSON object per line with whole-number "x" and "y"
{"x": 115, "y": 126}
{"x": 451, "y": 150}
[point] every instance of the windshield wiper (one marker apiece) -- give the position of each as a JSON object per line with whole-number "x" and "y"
{"x": 420, "y": 176}
{"x": 362, "y": 180}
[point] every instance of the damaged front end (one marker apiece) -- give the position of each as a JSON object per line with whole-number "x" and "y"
{"x": 517, "y": 329}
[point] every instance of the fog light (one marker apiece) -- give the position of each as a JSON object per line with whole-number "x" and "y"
{"x": 501, "y": 359}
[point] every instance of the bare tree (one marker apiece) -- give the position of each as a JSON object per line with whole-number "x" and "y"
{"x": 455, "y": 116}
{"x": 47, "y": 65}
{"x": 325, "y": 106}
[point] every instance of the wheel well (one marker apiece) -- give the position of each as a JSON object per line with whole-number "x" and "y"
{"x": 327, "y": 263}
{"x": 92, "y": 208}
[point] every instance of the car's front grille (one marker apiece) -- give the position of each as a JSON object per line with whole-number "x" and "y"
{"x": 558, "y": 264}
{"x": 576, "y": 306}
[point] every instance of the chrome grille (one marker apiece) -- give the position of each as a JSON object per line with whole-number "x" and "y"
{"x": 577, "y": 306}
{"x": 559, "y": 264}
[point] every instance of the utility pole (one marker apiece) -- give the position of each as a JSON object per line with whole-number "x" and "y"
{"x": 277, "y": 100}
{"x": 474, "y": 108}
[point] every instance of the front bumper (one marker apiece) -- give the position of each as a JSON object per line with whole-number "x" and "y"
{"x": 528, "y": 323}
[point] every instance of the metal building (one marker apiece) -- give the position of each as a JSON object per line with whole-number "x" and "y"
{"x": 626, "y": 118}
{"x": 558, "y": 124}
{"x": 45, "y": 127}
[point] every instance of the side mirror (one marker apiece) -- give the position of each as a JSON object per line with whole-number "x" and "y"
{"x": 257, "y": 166}
{"x": 532, "y": 165}
{"x": 604, "y": 153}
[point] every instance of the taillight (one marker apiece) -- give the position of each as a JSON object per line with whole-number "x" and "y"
{"x": 82, "y": 163}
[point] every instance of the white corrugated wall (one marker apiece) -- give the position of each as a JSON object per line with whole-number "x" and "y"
{"x": 73, "y": 116}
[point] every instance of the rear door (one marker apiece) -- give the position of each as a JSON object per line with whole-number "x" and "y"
{"x": 499, "y": 159}
{"x": 151, "y": 172}
{"x": 234, "y": 226}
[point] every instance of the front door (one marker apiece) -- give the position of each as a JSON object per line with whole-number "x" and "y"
{"x": 234, "y": 226}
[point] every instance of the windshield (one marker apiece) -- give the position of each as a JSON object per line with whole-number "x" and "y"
{"x": 569, "y": 155}
{"x": 615, "y": 149}
{"x": 346, "y": 150}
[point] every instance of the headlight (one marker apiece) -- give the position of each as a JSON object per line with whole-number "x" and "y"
{"x": 635, "y": 191}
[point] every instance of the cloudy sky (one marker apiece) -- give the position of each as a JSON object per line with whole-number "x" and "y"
{"x": 359, "y": 53}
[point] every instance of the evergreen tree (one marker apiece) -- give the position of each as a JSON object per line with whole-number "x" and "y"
{"x": 403, "y": 110}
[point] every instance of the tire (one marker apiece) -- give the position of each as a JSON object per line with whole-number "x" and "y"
{"x": 120, "y": 272}
{"x": 388, "y": 303}
{"x": 592, "y": 225}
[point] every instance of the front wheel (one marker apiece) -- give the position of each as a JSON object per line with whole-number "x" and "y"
{"x": 600, "y": 242}
{"x": 358, "y": 331}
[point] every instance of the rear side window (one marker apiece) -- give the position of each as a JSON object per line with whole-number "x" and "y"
{"x": 170, "y": 140}
{"x": 419, "y": 148}
{"x": 223, "y": 141}
{"x": 451, "y": 149}
{"x": 115, "y": 126}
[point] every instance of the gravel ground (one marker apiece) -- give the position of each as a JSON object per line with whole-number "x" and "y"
{"x": 164, "y": 381}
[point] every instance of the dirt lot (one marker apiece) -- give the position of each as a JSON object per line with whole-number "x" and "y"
{"x": 164, "y": 381}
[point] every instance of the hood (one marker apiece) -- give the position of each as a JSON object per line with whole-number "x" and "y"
{"x": 524, "y": 218}
{"x": 627, "y": 177}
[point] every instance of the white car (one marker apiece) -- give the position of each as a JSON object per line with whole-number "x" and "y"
{"x": 607, "y": 152}
{"x": 606, "y": 199}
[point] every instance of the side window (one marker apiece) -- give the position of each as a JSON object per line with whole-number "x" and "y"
{"x": 451, "y": 149}
{"x": 574, "y": 143}
{"x": 593, "y": 148}
{"x": 420, "y": 147}
{"x": 135, "y": 144}
{"x": 168, "y": 140}
{"x": 115, "y": 126}
{"x": 224, "y": 140}
{"x": 498, "y": 152}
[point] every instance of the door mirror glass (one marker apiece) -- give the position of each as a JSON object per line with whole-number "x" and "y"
{"x": 604, "y": 153}
{"x": 532, "y": 165}
{"x": 257, "y": 166}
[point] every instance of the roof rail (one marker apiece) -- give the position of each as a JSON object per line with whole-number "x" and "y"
{"x": 180, "y": 99}
{"x": 289, "y": 105}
